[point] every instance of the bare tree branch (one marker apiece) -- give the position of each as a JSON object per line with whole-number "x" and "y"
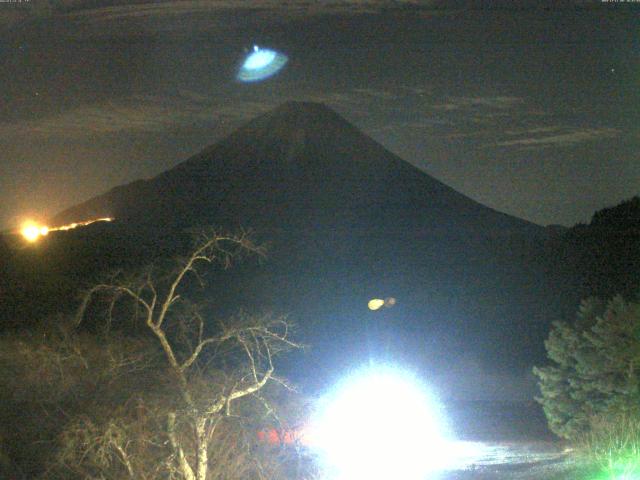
{"x": 189, "y": 361}
{"x": 242, "y": 350}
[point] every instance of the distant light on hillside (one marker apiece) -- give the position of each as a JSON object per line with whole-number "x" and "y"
{"x": 32, "y": 232}
{"x": 261, "y": 64}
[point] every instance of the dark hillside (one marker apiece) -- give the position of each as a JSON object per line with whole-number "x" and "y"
{"x": 603, "y": 256}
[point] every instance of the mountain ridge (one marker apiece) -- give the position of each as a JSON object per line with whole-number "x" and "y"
{"x": 286, "y": 134}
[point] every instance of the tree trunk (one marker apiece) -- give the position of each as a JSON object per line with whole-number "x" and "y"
{"x": 184, "y": 466}
{"x": 201, "y": 439}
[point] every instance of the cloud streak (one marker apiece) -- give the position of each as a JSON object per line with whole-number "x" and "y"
{"x": 102, "y": 18}
{"x": 488, "y": 122}
{"x": 560, "y": 137}
{"x": 175, "y": 110}
{"x": 137, "y": 114}
{"x": 474, "y": 103}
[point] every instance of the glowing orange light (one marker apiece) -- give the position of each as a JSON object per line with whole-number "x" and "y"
{"x": 73, "y": 225}
{"x": 32, "y": 231}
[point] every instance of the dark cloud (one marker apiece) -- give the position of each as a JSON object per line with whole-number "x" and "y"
{"x": 87, "y": 19}
{"x": 93, "y": 98}
{"x": 132, "y": 115}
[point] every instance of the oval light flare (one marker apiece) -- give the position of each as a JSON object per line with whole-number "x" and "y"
{"x": 375, "y": 304}
{"x": 261, "y": 64}
{"x": 378, "y": 303}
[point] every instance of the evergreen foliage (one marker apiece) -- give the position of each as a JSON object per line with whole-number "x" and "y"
{"x": 603, "y": 256}
{"x": 595, "y": 367}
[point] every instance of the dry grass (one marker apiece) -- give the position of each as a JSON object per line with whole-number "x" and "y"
{"x": 613, "y": 444}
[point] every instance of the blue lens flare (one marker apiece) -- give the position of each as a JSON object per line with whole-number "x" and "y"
{"x": 261, "y": 64}
{"x": 260, "y": 59}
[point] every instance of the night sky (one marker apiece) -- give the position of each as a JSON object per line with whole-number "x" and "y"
{"x": 531, "y": 111}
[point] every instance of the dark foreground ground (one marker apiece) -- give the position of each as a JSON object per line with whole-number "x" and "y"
{"x": 509, "y": 440}
{"x": 512, "y": 460}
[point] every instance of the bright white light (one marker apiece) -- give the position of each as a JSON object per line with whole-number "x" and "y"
{"x": 259, "y": 59}
{"x": 381, "y": 424}
{"x": 260, "y": 64}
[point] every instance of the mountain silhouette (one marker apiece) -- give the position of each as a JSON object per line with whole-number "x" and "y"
{"x": 299, "y": 165}
{"x": 346, "y": 220}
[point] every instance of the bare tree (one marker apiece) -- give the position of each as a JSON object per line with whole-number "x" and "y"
{"x": 214, "y": 368}
{"x": 55, "y": 381}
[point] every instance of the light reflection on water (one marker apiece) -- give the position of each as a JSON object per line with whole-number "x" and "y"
{"x": 469, "y": 454}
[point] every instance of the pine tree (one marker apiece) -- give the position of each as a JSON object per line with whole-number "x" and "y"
{"x": 595, "y": 366}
